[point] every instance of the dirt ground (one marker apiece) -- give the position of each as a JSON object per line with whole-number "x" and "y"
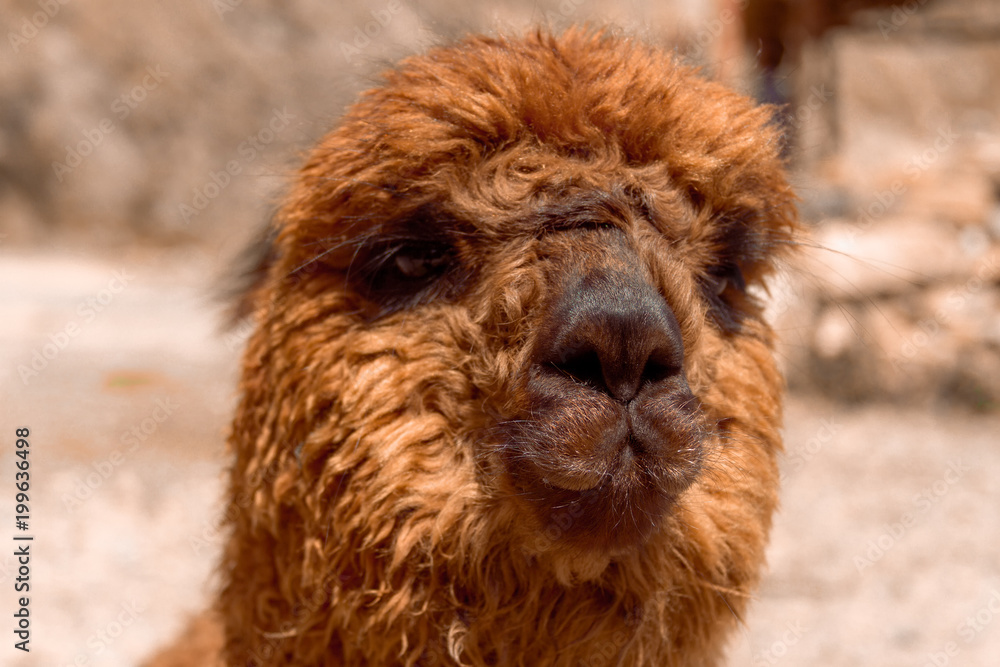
{"x": 885, "y": 551}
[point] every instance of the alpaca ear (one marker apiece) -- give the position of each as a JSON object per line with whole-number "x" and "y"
{"x": 240, "y": 287}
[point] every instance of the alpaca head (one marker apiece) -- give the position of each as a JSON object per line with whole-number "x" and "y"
{"x": 511, "y": 331}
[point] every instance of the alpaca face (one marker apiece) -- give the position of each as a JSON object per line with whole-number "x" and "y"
{"x": 596, "y": 416}
{"x": 575, "y": 320}
{"x": 509, "y": 327}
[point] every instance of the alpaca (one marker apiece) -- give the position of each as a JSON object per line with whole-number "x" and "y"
{"x": 511, "y": 398}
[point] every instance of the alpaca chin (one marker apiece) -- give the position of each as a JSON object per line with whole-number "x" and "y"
{"x": 571, "y": 569}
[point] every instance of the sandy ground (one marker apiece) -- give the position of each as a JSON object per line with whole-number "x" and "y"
{"x": 885, "y": 552}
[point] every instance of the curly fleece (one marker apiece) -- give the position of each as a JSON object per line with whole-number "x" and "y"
{"x": 371, "y": 519}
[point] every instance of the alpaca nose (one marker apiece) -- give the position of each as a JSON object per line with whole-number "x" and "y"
{"x": 614, "y": 333}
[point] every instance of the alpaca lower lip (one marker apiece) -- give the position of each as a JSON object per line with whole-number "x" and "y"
{"x": 590, "y": 474}
{"x": 573, "y": 482}
{"x": 611, "y": 453}
{"x": 607, "y": 519}
{"x": 612, "y": 504}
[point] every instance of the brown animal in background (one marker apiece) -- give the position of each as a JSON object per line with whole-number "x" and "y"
{"x": 511, "y": 399}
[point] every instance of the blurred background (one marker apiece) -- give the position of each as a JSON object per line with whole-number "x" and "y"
{"x": 143, "y": 143}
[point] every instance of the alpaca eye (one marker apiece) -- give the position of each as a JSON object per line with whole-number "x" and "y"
{"x": 726, "y": 277}
{"x": 419, "y": 262}
{"x": 400, "y": 273}
{"x": 725, "y": 289}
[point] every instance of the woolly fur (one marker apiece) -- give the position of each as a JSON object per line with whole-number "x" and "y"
{"x": 370, "y": 520}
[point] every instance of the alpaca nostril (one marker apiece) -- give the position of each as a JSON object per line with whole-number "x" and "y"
{"x": 656, "y": 371}
{"x": 613, "y": 333}
{"x": 584, "y": 366}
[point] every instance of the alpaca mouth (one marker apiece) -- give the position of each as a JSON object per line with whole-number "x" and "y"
{"x": 612, "y": 499}
{"x": 612, "y": 517}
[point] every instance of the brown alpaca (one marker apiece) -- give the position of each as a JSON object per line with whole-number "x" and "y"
{"x": 510, "y": 399}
